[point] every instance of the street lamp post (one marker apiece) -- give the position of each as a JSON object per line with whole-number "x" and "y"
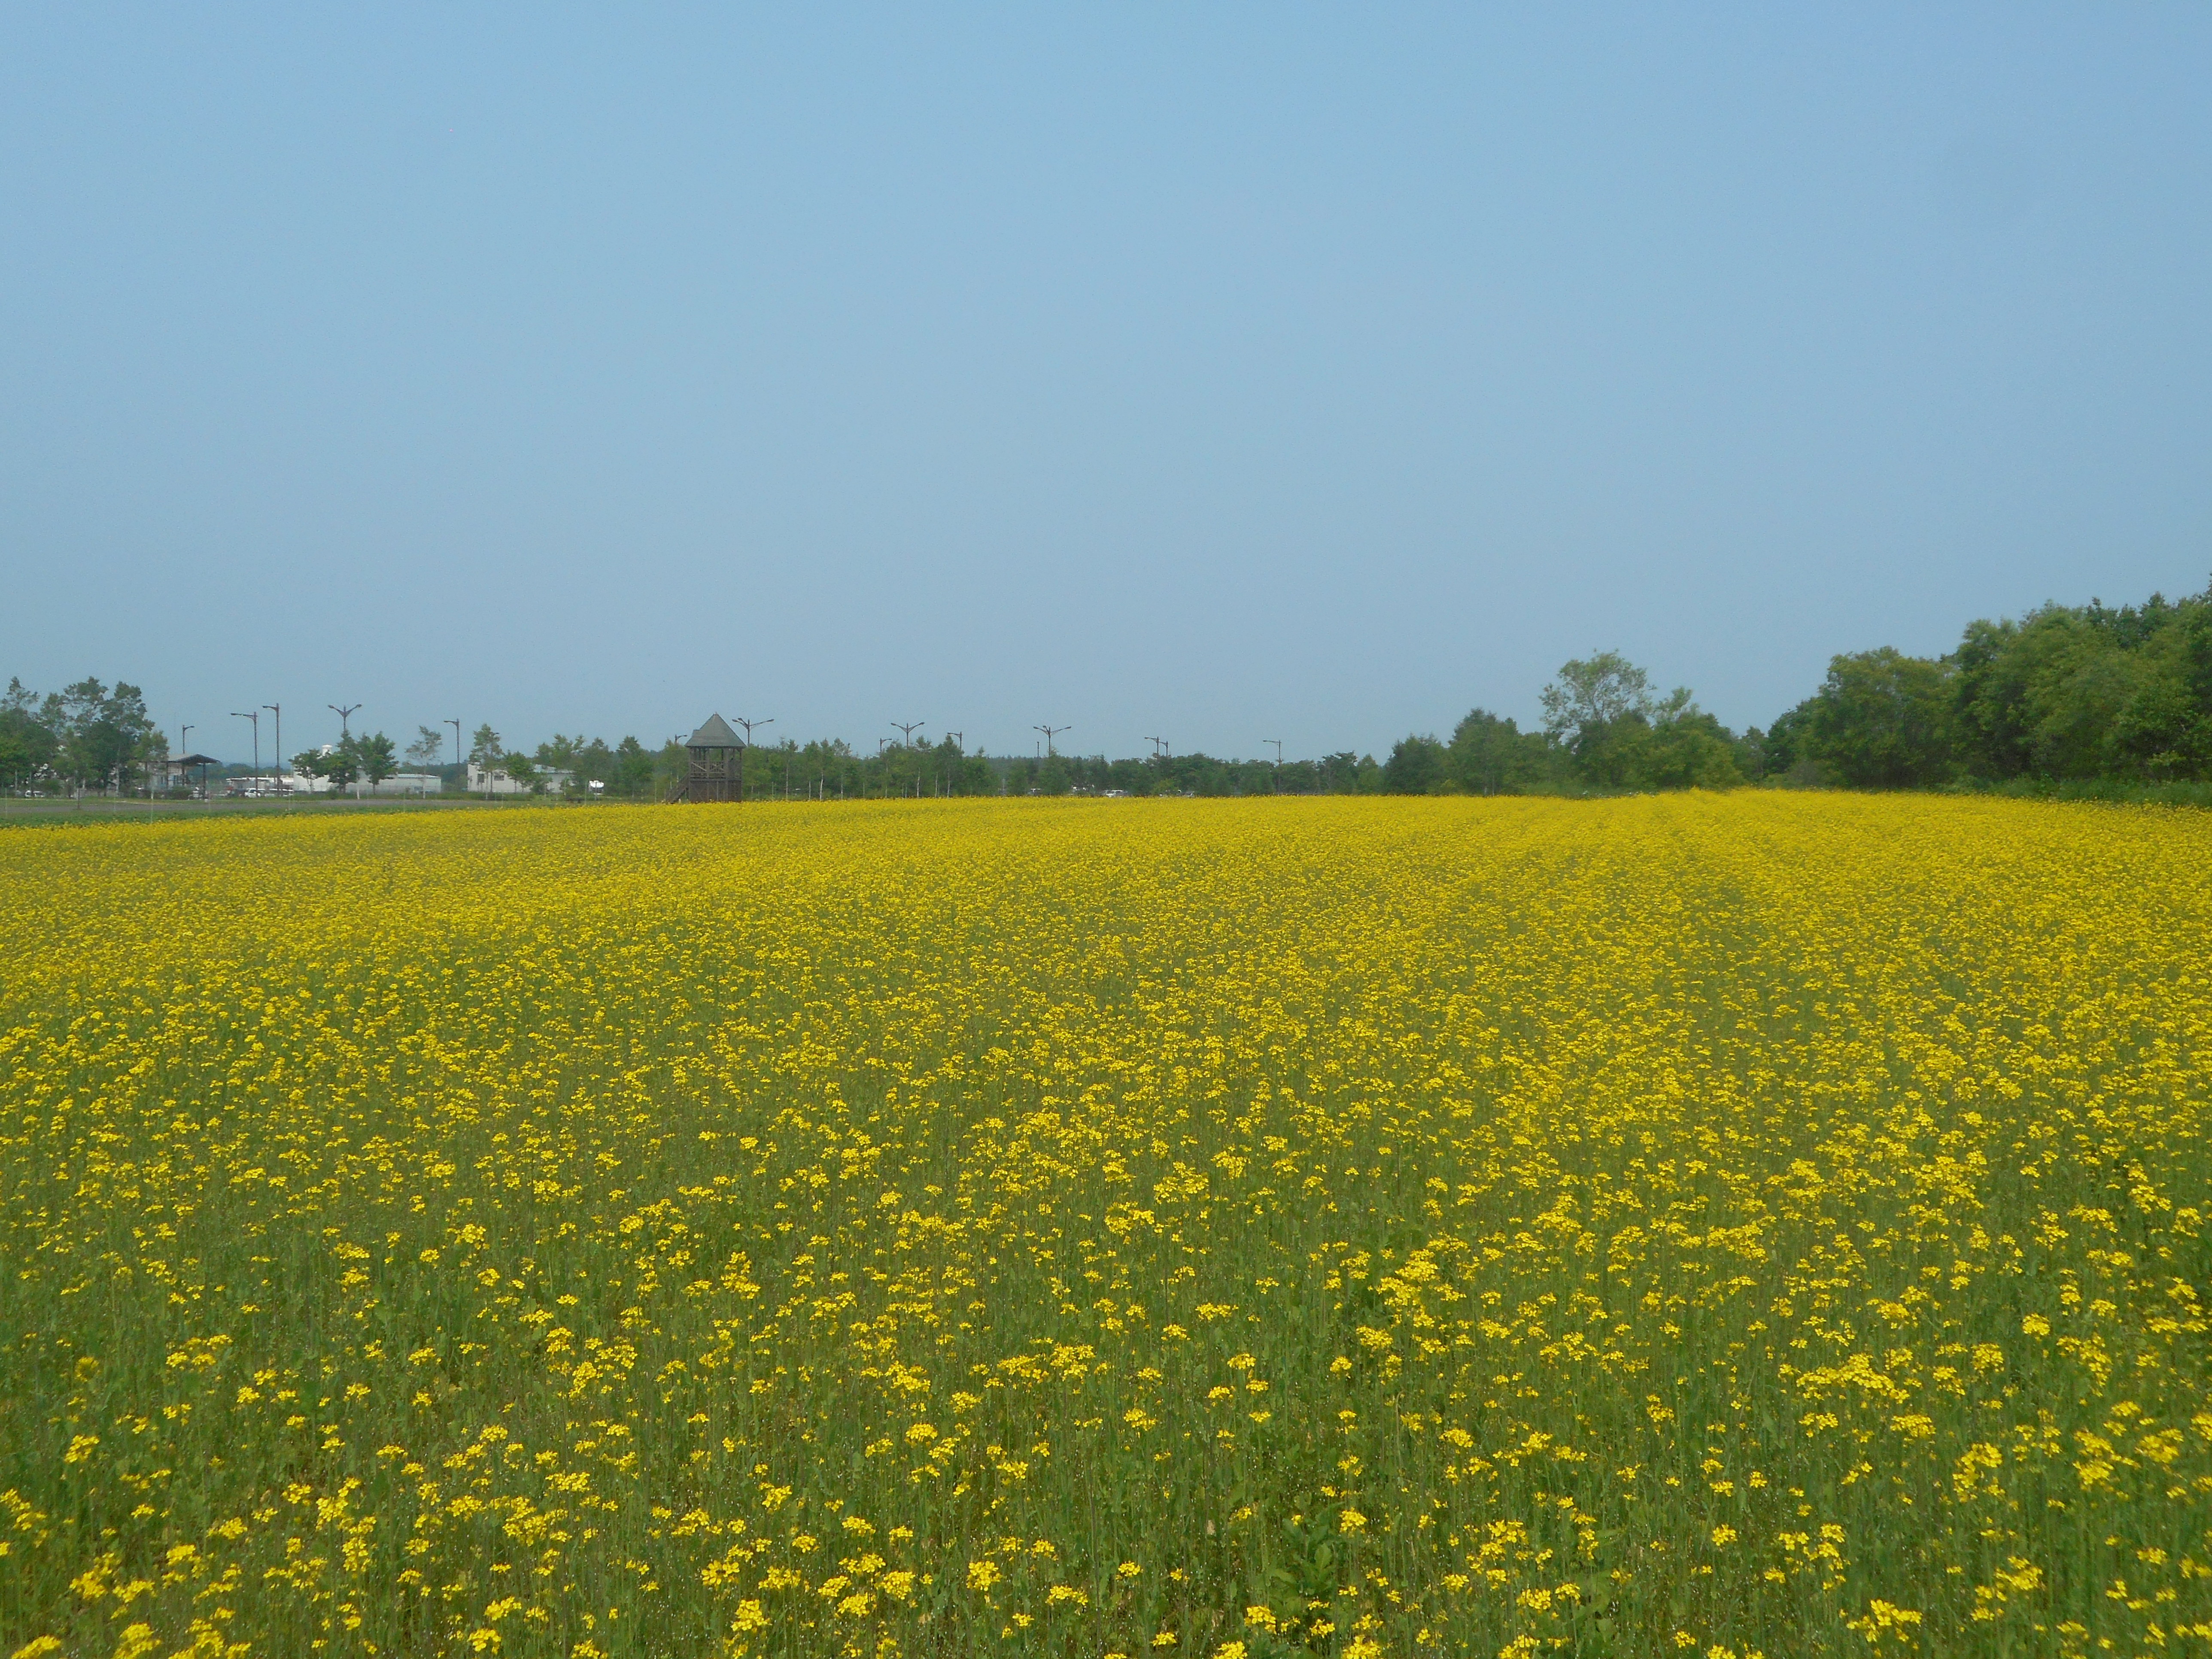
{"x": 748, "y": 743}
{"x": 456, "y": 725}
{"x": 256, "y": 717}
{"x": 278, "y": 709}
{"x": 345, "y": 732}
{"x": 1050, "y": 732}
{"x": 907, "y": 729}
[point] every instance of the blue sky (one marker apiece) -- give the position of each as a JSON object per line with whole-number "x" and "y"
{"x": 1229, "y": 373}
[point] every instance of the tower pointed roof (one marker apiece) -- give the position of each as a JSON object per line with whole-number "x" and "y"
{"x": 715, "y": 733}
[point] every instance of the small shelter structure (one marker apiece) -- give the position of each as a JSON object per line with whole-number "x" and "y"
{"x": 717, "y": 770}
{"x": 183, "y": 767}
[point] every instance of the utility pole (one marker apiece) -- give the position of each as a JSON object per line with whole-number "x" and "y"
{"x": 748, "y": 743}
{"x": 959, "y": 748}
{"x": 278, "y": 709}
{"x": 256, "y": 717}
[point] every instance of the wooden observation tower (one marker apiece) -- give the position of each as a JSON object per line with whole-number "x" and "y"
{"x": 717, "y": 770}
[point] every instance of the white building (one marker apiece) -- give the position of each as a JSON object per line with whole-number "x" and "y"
{"x": 306, "y": 783}
{"x": 398, "y": 784}
{"x": 494, "y": 781}
{"x": 404, "y": 783}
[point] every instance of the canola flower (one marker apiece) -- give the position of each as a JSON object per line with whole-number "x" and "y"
{"x": 1739, "y": 1225}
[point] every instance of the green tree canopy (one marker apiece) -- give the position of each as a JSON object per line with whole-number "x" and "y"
{"x": 1879, "y": 720}
{"x": 1490, "y": 755}
{"x": 372, "y": 753}
{"x": 1596, "y": 710}
{"x": 1416, "y": 767}
{"x": 29, "y": 740}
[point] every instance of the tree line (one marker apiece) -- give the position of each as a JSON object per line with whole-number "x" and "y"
{"x": 2067, "y": 694}
{"x": 85, "y": 736}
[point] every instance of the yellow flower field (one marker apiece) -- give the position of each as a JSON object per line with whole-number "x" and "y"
{"x": 1753, "y": 1224}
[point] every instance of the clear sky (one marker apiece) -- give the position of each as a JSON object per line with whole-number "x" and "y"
{"x": 1222, "y": 373}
